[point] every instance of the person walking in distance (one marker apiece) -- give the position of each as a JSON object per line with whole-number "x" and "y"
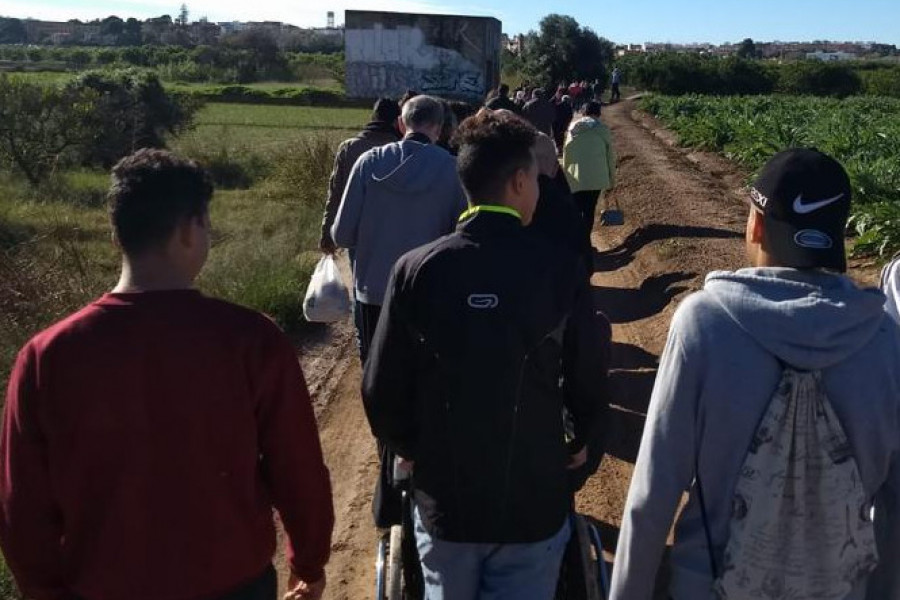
{"x": 493, "y": 318}
{"x": 540, "y": 112}
{"x": 616, "y": 93}
{"x": 589, "y": 160}
{"x": 148, "y": 437}
{"x": 502, "y": 100}
{"x": 381, "y": 130}
{"x": 398, "y": 197}
{"x": 564, "y": 115}
{"x": 792, "y": 327}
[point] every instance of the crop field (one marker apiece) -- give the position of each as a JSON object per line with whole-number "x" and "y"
{"x": 862, "y": 133}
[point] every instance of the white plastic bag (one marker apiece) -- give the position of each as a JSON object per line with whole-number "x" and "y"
{"x": 327, "y": 298}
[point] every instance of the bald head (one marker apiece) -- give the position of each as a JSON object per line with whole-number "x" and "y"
{"x": 422, "y": 112}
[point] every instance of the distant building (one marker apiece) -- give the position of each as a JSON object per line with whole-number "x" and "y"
{"x": 514, "y": 44}
{"x": 830, "y": 56}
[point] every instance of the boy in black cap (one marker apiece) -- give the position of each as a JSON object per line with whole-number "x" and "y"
{"x": 726, "y": 352}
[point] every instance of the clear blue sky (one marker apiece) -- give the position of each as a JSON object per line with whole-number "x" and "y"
{"x": 624, "y": 21}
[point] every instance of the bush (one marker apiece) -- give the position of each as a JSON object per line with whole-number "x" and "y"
{"x": 678, "y": 73}
{"x": 41, "y": 126}
{"x": 816, "y": 78}
{"x": 230, "y": 167}
{"x": 131, "y": 110}
{"x": 881, "y": 82}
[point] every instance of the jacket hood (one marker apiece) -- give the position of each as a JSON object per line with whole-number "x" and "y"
{"x": 809, "y": 319}
{"x": 584, "y": 125}
{"x": 409, "y": 166}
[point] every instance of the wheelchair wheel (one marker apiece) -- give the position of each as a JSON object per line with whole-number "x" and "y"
{"x": 380, "y": 564}
{"x": 395, "y": 565}
{"x": 602, "y": 571}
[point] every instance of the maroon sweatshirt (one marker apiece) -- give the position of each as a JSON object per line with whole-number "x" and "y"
{"x": 146, "y": 440}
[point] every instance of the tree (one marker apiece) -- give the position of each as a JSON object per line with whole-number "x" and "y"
{"x": 12, "y": 31}
{"x": 747, "y": 49}
{"x": 131, "y": 33}
{"x": 131, "y": 110}
{"x": 564, "y": 51}
{"x": 40, "y": 125}
{"x": 183, "y": 16}
{"x": 112, "y": 26}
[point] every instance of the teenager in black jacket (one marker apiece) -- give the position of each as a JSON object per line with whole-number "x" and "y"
{"x": 478, "y": 329}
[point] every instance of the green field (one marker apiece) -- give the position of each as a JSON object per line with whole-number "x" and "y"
{"x": 263, "y": 128}
{"x": 863, "y": 133}
{"x": 55, "y": 239}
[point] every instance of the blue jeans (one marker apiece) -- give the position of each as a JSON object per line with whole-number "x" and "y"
{"x": 459, "y": 571}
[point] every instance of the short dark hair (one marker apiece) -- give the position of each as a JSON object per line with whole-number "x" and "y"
{"x": 152, "y": 190}
{"x": 592, "y": 109}
{"x": 407, "y": 96}
{"x": 386, "y": 110}
{"x": 492, "y": 147}
{"x": 504, "y": 89}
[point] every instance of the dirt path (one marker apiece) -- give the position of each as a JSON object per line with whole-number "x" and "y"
{"x": 684, "y": 218}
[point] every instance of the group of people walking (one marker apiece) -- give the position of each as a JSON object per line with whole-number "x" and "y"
{"x": 148, "y": 437}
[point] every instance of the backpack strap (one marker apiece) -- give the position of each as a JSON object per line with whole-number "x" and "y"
{"x": 703, "y": 514}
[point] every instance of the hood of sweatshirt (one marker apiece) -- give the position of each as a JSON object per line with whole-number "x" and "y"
{"x": 585, "y": 125}
{"x": 809, "y": 319}
{"x": 409, "y": 166}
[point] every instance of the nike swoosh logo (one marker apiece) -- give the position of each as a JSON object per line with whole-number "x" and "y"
{"x": 803, "y": 208}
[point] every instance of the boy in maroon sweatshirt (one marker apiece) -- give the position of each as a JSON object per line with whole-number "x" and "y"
{"x": 148, "y": 437}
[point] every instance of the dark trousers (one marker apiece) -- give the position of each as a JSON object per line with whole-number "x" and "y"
{"x": 586, "y": 202}
{"x": 365, "y": 317}
{"x": 264, "y": 587}
{"x": 616, "y": 95}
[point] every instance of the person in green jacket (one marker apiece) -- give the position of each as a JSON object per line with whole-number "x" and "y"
{"x": 589, "y": 162}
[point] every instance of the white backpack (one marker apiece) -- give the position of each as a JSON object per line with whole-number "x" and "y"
{"x": 801, "y": 524}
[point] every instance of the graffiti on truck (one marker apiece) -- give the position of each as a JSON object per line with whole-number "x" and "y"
{"x": 387, "y": 62}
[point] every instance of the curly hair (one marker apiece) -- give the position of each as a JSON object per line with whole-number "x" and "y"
{"x": 493, "y": 146}
{"x": 152, "y": 190}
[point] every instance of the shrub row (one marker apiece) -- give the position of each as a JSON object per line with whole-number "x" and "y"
{"x": 676, "y": 74}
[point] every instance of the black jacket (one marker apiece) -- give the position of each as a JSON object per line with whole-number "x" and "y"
{"x": 477, "y": 330}
{"x": 557, "y": 218}
{"x": 374, "y": 135}
{"x": 503, "y": 102}
{"x": 542, "y": 115}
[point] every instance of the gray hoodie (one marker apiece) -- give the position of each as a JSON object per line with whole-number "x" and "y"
{"x": 399, "y": 197}
{"x": 716, "y": 377}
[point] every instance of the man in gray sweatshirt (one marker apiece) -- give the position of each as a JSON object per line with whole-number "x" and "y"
{"x": 723, "y": 360}
{"x": 398, "y": 197}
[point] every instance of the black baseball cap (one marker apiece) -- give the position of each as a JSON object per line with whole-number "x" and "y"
{"x": 805, "y": 197}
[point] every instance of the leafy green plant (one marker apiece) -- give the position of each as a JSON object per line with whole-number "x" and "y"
{"x": 863, "y": 133}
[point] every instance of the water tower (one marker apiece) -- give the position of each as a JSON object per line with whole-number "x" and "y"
{"x": 330, "y": 19}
